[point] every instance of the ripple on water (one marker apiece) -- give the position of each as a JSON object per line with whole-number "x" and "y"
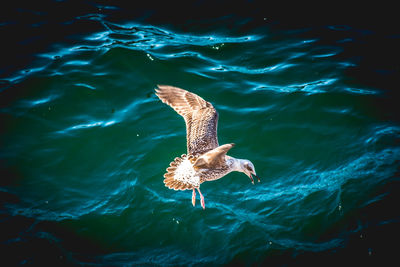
{"x": 142, "y": 37}
{"x": 38, "y": 102}
{"x": 309, "y": 88}
{"x": 117, "y": 117}
{"x": 246, "y": 70}
{"x": 111, "y": 173}
{"x": 85, "y": 85}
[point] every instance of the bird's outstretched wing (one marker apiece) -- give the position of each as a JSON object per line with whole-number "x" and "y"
{"x": 214, "y": 158}
{"x": 200, "y": 116}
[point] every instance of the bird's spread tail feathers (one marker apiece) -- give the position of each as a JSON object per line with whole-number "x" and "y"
{"x": 181, "y": 174}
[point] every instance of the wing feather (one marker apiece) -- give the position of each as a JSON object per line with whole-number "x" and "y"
{"x": 200, "y": 116}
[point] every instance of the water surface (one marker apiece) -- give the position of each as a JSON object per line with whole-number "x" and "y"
{"x": 85, "y": 143}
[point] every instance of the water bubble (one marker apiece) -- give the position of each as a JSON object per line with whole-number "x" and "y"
{"x": 150, "y": 57}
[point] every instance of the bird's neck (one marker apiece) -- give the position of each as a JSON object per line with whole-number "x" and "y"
{"x": 235, "y": 163}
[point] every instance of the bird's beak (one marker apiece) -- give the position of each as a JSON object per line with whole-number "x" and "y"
{"x": 251, "y": 177}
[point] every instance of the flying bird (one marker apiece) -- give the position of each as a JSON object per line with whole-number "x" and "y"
{"x": 205, "y": 160}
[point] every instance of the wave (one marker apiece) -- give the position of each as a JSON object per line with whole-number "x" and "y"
{"x": 91, "y": 143}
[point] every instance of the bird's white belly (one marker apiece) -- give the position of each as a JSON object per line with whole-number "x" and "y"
{"x": 187, "y": 174}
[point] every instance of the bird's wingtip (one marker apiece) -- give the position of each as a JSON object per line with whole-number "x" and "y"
{"x": 161, "y": 86}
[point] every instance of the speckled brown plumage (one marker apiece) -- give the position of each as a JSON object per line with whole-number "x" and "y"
{"x": 200, "y": 116}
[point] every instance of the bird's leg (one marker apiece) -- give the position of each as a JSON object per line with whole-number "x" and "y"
{"x": 194, "y": 197}
{"x": 201, "y": 199}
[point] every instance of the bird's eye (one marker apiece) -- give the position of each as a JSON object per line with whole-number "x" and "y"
{"x": 249, "y": 168}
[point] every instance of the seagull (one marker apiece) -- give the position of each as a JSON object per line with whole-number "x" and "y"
{"x": 205, "y": 160}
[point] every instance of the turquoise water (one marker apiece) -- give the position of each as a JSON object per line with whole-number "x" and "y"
{"x": 85, "y": 143}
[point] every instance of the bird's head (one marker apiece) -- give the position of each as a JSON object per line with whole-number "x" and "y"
{"x": 248, "y": 168}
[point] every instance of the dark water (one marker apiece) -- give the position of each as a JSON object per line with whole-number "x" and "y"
{"x": 85, "y": 142}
